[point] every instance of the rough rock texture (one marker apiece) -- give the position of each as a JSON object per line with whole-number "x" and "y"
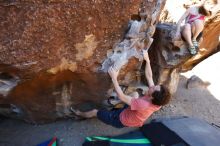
{"x": 170, "y": 57}
{"x": 51, "y": 52}
{"x": 55, "y": 53}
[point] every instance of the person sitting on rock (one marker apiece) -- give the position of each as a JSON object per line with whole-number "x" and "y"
{"x": 136, "y": 110}
{"x": 194, "y": 23}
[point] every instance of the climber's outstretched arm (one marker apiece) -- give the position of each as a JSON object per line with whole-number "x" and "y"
{"x": 124, "y": 98}
{"x": 148, "y": 70}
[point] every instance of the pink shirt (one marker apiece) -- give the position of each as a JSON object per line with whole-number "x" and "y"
{"x": 139, "y": 111}
{"x": 192, "y": 17}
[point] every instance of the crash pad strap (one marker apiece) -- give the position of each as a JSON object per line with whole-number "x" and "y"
{"x": 133, "y": 141}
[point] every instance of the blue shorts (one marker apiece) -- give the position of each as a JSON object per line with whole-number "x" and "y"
{"x": 111, "y": 117}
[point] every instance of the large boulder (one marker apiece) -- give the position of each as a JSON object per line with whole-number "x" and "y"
{"x": 55, "y": 53}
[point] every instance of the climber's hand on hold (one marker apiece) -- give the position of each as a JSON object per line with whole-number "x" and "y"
{"x": 113, "y": 73}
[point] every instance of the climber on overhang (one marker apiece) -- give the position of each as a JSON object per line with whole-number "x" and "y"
{"x": 136, "y": 110}
{"x": 194, "y": 23}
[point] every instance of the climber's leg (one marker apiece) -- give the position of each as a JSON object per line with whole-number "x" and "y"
{"x": 198, "y": 26}
{"x": 89, "y": 114}
{"x": 187, "y": 34}
{"x": 193, "y": 29}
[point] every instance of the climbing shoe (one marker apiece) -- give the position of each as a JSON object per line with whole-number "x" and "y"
{"x": 192, "y": 50}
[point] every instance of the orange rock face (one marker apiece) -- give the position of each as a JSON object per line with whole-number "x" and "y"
{"x": 51, "y": 53}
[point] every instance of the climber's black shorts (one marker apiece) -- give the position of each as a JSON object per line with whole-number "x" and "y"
{"x": 111, "y": 117}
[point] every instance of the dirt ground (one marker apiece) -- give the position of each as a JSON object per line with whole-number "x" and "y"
{"x": 196, "y": 102}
